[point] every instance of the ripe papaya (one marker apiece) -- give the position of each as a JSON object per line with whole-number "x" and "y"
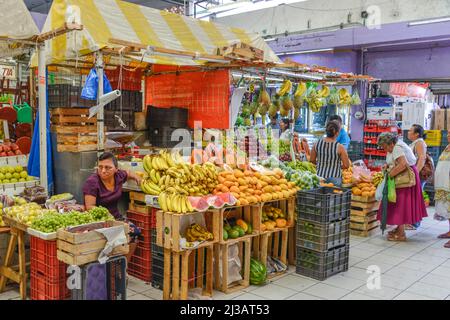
{"x": 242, "y": 224}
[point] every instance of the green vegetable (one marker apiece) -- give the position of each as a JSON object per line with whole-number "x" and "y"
{"x": 258, "y": 272}
{"x": 225, "y": 235}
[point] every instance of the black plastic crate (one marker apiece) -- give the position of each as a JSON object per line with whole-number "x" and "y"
{"x": 322, "y": 237}
{"x": 166, "y": 137}
{"x": 324, "y": 204}
{"x": 321, "y": 265}
{"x": 155, "y": 248}
{"x": 176, "y": 117}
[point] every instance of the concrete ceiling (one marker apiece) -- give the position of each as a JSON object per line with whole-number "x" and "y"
{"x": 43, "y": 6}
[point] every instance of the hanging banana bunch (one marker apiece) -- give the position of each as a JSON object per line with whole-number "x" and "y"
{"x": 264, "y": 102}
{"x": 324, "y": 92}
{"x": 299, "y": 95}
{"x": 314, "y": 100}
{"x": 286, "y": 87}
{"x": 356, "y": 100}
{"x": 345, "y": 98}
{"x": 333, "y": 99}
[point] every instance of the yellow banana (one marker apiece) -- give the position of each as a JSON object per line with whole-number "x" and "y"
{"x": 162, "y": 200}
{"x": 153, "y": 176}
{"x": 188, "y": 205}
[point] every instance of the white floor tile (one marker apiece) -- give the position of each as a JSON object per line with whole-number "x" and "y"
{"x": 436, "y": 281}
{"x": 405, "y": 273}
{"x": 130, "y": 292}
{"x": 139, "y": 297}
{"x": 154, "y": 294}
{"x": 438, "y": 252}
{"x": 274, "y": 292}
{"x": 346, "y": 283}
{"x": 295, "y": 283}
{"x": 354, "y": 260}
{"x": 429, "y": 290}
{"x": 218, "y": 295}
{"x": 355, "y": 273}
{"x": 444, "y": 272}
{"x": 398, "y": 253}
{"x": 139, "y": 287}
{"x": 385, "y": 293}
{"x": 418, "y": 265}
{"x": 384, "y": 258}
{"x": 357, "y": 296}
{"x": 384, "y": 267}
{"x": 8, "y": 295}
{"x": 303, "y": 296}
{"x": 248, "y": 296}
{"x": 446, "y": 263}
{"x": 411, "y": 296}
{"x": 326, "y": 291}
{"x": 396, "y": 282}
{"x": 370, "y": 247}
{"x": 427, "y": 258}
{"x": 361, "y": 253}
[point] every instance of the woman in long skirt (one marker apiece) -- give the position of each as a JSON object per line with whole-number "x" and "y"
{"x": 409, "y": 207}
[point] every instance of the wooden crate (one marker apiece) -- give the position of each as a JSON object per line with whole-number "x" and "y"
{"x": 169, "y": 228}
{"x": 250, "y": 214}
{"x": 363, "y": 199}
{"x": 84, "y": 247}
{"x": 72, "y": 116}
{"x": 139, "y": 207}
{"x": 271, "y": 244}
{"x": 241, "y": 51}
{"x": 287, "y": 206}
{"x": 292, "y": 245}
{"x": 221, "y": 280}
{"x": 364, "y": 223}
{"x": 188, "y": 269}
{"x": 363, "y": 208}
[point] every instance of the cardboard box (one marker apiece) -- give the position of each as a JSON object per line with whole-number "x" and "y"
{"x": 417, "y": 113}
{"x": 439, "y": 119}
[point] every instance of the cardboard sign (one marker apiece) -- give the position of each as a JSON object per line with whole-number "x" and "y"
{"x": 7, "y": 72}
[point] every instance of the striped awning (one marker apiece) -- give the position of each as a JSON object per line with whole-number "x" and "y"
{"x": 16, "y": 23}
{"x": 103, "y": 20}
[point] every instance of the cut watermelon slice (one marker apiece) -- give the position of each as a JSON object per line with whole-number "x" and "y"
{"x": 198, "y": 203}
{"x": 228, "y": 198}
{"x": 215, "y": 201}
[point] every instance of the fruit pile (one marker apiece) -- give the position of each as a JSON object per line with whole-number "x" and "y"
{"x": 196, "y": 232}
{"x": 10, "y": 174}
{"x": 240, "y": 229}
{"x": 52, "y": 221}
{"x": 305, "y": 180}
{"x": 26, "y": 213}
{"x": 9, "y": 149}
{"x": 364, "y": 189}
{"x": 347, "y": 176}
{"x": 170, "y": 177}
{"x": 345, "y": 98}
{"x": 252, "y": 187}
{"x": 377, "y": 178}
{"x": 302, "y": 166}
{"x": 272, "y": 218}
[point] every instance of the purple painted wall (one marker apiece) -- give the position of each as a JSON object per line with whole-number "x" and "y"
{"x": 408, "y": 64}
{"x": 344, "y": 61}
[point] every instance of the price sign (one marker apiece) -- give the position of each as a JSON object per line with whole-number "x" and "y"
{"x": 8, "y": 72}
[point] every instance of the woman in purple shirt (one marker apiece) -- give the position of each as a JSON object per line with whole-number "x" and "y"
{"x": 104, "y": 188}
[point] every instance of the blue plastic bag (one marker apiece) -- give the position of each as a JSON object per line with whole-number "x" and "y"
{"x": 90, "y": 88}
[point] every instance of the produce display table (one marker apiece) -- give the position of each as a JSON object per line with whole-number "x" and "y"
{"x": 17, "y": 231}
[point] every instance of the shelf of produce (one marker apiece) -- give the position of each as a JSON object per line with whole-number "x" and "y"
{"x": 169, "y": 227}
{"x": 239, "y": 239}
{"x": 13, "y": 223}
{"x": 13, "y": 189}
{"x": 221, "y": 281}
{"x": 250, "y": 214}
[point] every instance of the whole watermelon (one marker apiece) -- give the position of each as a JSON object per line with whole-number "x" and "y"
{"x": 258, "y": 272}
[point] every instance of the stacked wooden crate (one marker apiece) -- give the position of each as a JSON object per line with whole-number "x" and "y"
{"x": 75, "y": 131}
{"x": 363, "y": 216}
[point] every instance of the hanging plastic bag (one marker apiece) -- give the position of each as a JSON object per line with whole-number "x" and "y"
{"x": 360, "y": 172}
{"x": 379, "y": 191}
{"x": 90, "y": 88}
{"x": 392, "y": 195}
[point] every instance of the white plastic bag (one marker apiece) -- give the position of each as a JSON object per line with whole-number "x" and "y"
{"x": 234, "y": 264}
{"x": 380, "y": 188}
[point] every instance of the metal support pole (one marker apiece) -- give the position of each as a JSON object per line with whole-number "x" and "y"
{"x": 42, "y": 88}
{"x": 101, "y": 111}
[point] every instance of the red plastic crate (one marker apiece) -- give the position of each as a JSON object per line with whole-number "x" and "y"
{"x": 43, "y": 259}
{"x": 43, "y": 289}
{"x": 370, "y": 128}
{"x": 140, "y": 268}
{"x": 144, "y": 253}
{"x": 140, "y": 220}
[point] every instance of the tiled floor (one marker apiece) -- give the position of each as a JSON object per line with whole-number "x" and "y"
{"x": 418, "y": 269}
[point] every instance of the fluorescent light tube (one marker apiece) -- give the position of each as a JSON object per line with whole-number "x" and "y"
{"x": 295, "y": 75}
{"x": 437, "y": 20}
{"x": 306, "y": 51}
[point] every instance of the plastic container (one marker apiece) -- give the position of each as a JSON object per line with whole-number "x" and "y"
{"x": 42, "y": 288}
{"x": 321, "y": 265}
{"x": 44, "y": 261}
{"x": 322, "y": 237}
{"x": 140, "y": 269}
{"x": 142, "y": 252}
{"x": 323, "y": 205}
{"x": 142, "y": 221}
{"x": 102, "y": 281}
{"x": 434, "y": 138}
